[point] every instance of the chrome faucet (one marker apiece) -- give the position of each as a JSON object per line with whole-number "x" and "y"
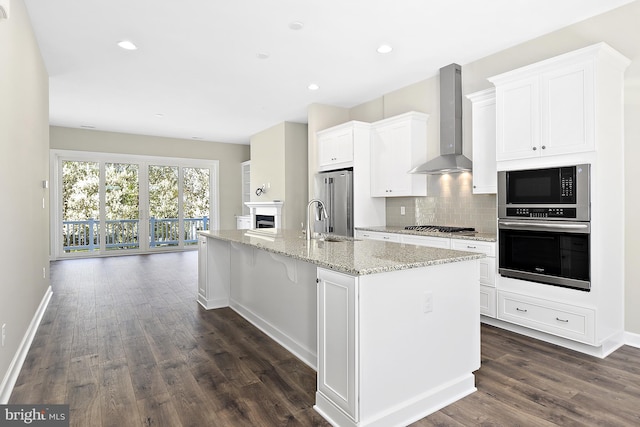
{"x": 320, "y": 214}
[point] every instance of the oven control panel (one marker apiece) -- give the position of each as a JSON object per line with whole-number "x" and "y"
{"x": 559, "y": 213}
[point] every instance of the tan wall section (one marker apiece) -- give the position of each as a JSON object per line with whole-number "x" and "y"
{"x": 24, "y": 165}
{"x": 229, "y": 156}
{"x": 278, "y": 161}
{"x": 296, "y": 194}
{"x": 267, "y": 164}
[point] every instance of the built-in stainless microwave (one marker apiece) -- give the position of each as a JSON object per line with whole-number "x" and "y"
{"x": 557, "y": 193}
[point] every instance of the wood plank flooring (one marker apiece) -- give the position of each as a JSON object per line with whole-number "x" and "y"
{"x": 124, "y": 343}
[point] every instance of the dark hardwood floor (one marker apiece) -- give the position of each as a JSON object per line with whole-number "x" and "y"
{"x": 124, "y": 343}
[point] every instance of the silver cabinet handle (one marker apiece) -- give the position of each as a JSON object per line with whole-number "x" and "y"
{"x": 544, "y": 147}
{"x": 535, "y": 148}
{"x": 562, "y": 320}
{"x": 520, "y": 309}
{"x": 472, "y": 247}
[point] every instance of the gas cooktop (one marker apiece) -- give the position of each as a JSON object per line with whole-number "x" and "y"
{"x": 440, "y": 228}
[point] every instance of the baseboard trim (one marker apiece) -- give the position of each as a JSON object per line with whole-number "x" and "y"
{"x": 632, "y": 339}
{"x": 304, "y": 354}
{"x": 11, "y": 376}
{"x": 606, "y": 348}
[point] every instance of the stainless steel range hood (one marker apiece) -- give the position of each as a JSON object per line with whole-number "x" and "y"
{"x": 451, "y": 159}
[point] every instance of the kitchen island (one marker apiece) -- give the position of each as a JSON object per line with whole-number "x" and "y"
{"x": 393, "y": 330}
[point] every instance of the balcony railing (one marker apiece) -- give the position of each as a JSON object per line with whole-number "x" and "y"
{"x": 124, "y": 233}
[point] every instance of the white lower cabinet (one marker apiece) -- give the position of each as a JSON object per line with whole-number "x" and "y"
{"x": 432, "y": 242}
{"x": 337, "y": 314}
{"x": 564, "y": 320}
{"x": 487, "y": 268}
{"x": 487, "y": 300}
{"x": 377, "y": 235}
{"x": 243, "y": 222}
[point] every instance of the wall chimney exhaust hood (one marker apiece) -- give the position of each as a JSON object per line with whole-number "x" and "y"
{"x": 451, "y": 159}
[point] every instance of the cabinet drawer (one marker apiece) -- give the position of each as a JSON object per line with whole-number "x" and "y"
{"x": 376, "y": 235}
{"x": 573, "y": 322}
{"x": 434, "y": 242}
{"x": 487, "y": 248}
{"x": 487, "y": 301}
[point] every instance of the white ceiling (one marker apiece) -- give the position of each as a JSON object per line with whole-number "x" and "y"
{"x": 197, "y": 60}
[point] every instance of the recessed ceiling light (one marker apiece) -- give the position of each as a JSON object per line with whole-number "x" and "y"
{"x": 262, "y": 55}
{"x": 296, "y": 25}
{"x": 313, "y": 86}
{"x": 384, "y": 48}
{"x": 126, "y": 44}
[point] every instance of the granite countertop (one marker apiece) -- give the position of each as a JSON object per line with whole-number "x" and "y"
{"x": 351, "y": 256}
{"x": 484, "y": 237}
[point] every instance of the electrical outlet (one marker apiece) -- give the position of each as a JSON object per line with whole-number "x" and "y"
{"x": 402, "y": 211}
{"x": 427, "y": 302}
{"x": 4, "y": 333}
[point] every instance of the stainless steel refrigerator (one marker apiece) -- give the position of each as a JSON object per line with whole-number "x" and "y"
{"x": 335, "y": 189}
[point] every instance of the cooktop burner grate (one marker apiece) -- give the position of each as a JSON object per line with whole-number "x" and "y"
{"x": 439, "y": 228}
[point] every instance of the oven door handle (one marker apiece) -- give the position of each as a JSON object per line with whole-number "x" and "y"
{"x": 569, "y": 227}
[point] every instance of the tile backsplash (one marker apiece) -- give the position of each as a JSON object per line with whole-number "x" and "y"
{"x": 450, "y": 202}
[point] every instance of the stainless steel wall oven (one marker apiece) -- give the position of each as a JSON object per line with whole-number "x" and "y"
{"x": 543, "y": 226}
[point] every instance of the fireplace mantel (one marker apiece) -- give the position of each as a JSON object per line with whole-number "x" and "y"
{"x": 266, "y": 208}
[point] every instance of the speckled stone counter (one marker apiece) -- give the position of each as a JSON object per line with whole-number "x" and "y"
{"x": 356, "y": 257}
{"x": 485, "y": 237}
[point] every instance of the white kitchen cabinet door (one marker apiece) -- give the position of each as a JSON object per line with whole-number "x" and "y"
{"x": 335, "y": 147}
{"x": 483, "y": 128}
{"x": 337, "y": 340}
{"x": 398, "y": 144}
{"x": 518, "y": 119}
{"x": 488, "y": 300}
{"x": 568, "y": 110}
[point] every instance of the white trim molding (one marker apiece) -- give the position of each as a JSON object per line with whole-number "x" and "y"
{"x": 9, "y": 381}
{"x": 632, "y": 339}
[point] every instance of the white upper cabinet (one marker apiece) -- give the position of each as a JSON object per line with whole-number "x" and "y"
{"x": 335, "y": 147}
{"x": 483, "y": 128}
{"x": 548, "y": 108}
{"x": 398, "y": 144}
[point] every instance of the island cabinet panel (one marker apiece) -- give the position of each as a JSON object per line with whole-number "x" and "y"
{"x": 213, "y": 273}
{"x": 337, "y": 309}
{"x": 396, "y": 346}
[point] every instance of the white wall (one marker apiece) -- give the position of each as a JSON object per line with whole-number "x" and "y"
{"x": 230, "y": 156}
{"x": 24, "y": 153}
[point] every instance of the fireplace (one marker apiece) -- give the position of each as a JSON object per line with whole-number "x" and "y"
{"x": 265, "y": 214}
{"x": 265, "y": 221}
